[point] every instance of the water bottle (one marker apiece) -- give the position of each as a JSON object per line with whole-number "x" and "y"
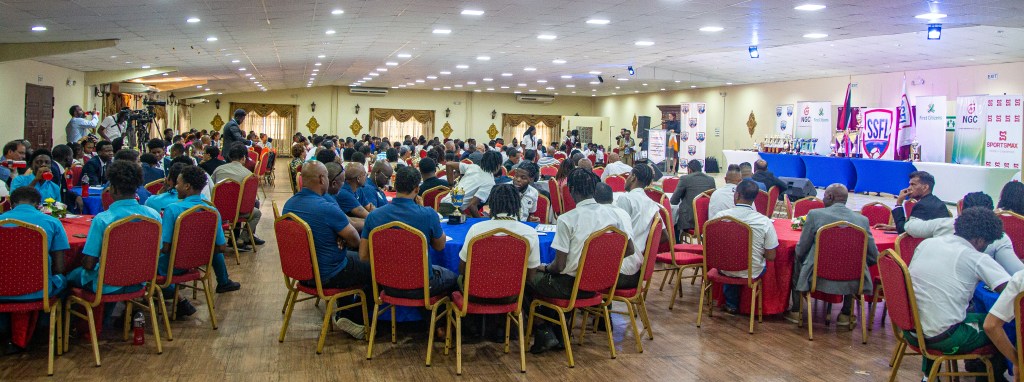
{"x": 139, "y": 328}
{"x": 85, "y": 186}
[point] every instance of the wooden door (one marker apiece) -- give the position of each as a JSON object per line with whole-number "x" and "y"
{"x": 39, "y": 115}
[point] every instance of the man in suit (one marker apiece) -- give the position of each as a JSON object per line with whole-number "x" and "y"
{"x": 763, "y": 175}
{"x": 211, "y": 159}
{"x": 233, "y": 133}
{"x": 928, "y": 205}
{"x": 96, "y": 168}
{"x": 803, "y": 267}
{"x": 62, "y": 156}
{"x": 689, "y": 186}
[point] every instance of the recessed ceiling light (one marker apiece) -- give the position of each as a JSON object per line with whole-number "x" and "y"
{"x": 506, "y": 74}
{"x": 517, "y": 92}
{"x": 615, "y": 93}
{"x": 550, "y": 88}
{"x": 476, "y": 90}
{"x": 618, "y": 87}
{"x": 636, "y": 91}
{"x": 38, "y": 28}
{"x": 145, "y": 66}
{"x": 437, "y": 88}
{"x": 220, "y": 93}
{"x": 594, "y": 82}
{"x": 192, "y": 20}
{"x": 542, "y": 81}
{"x": 391, "y": 63}
{"x": 461, "y": 66}
{"x": 322, "y": 56}
{"x": 337, "y": 12}
{"x": 472, "y": 12}
{"x": 678, "y": 81}
{"x": 533, "y": 90}
{"x": 211, "y": 39}
{"x": 404, "y": 55}
{"x": 164, "y": 74}
{"x": 711, "y": 29}
{"x": 490, "y": 89}
{"x": 662, "y": 89}
{"x": 199, "y": 86}
{"x": 248, "y": 74}
{"x": 644, "y": 84}
{"x": 594, "y": 72}
{"x": 483, "y": 58}
{"x": 815, "y": 35}
{"x": 566, "y": 76}
{"x": 547, "y": 37}
{"x": 521, "y": 85}
{"x": 530, "y": 69}
{"x": 598, "y": 21}
{"x": 809, "y": 7}
{"x": 447, "y": 87}
{"x": 504, "y": 87}
{"x": 643, "y": 43}
{"x": 471, "y": 83}
{"x": 558, "y": 61}
{"x": 623, "y": 79}
{"x": 330, "y": 32}
{"x": 931, "y": 16}
{"x": 420, "y": 81}
{"x": 241, "y": 69}
{"x": 488, "y": 79}
{"x": 728, "y": 83}
{"x": 431, "y": 77}
{"x": 445, "y": 73}
{"x": 570, "y": 86}
{"x": 235, "y": 61}
{"x": 693, "y": 86}
{"x": 442, "y": 31}
{"x": 207, "y": 89}
{"x": 458, "y": 86}
{"x": 374, "y": 74}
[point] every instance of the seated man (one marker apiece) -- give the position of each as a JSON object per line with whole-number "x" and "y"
{"x": 835, "y": 210}
{"x": 40, "y": 170}
{"x": 640, "y": 210}
{"x": 22, "y": 324}
{"x": 723, "y": 198}
{"x": 372, "y": 194}
{"x": 557, "y": 279}
{"x": 689, "y": 187}
{"x": 404, "y": 209}
{"x": 188, "y": 186}
{"x": 236, "y": 170}
{"x": 747, "y": 172}
{"x": 928, "y": 205}
{"x": 476, "y": 183}
{"x": 763, "y": 242}
{"x": 346, "y": 201}
{"x": 328, "y": 225}
{"x": 522, "y": 179}
{"x": 763, "y": 175}
{"x": 95, "y": 170}
{"x": 505, "y": 211}
{"x": 945, "y": 272}
{"x": 1000, "y": 250}
{"x": 513, "y": 158}
{"x": 428, "y": 170}
{"x": 211, "y": 159}
{"x": 615, "y": 167}
{"x": 150, "y": 171}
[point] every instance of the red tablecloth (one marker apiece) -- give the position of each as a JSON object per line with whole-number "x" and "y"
{"x": 778, "y": 275}
{"x": 75, "y": 226}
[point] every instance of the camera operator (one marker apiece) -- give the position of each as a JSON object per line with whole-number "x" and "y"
{"x": 233, "y": 133}
{"x": 115, "y": 126}
{"x": 78, "y": 126}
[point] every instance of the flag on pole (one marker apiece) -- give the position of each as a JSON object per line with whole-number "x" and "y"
{"x": 906, "y": 133}
{"x": 846, "y": 120}
{"x": 905, "y": 119}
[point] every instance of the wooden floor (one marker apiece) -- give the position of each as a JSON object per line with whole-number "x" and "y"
{"x": 245, "y": 347}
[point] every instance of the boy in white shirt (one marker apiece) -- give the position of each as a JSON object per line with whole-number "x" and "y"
{"x": 763, "y": 242}
{"x": 640, "y": 211}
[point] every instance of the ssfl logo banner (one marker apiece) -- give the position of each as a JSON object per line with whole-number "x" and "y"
{"x": 877, "y": 131}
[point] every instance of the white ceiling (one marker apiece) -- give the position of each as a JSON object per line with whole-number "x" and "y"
{"x": 279, "y": 41}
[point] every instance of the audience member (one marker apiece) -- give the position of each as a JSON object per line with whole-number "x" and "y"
{"x": 928, "y": 206}
{"x": 236, "y": 171}
{"x": 615, "y": 167}
{"x": 96, "y": 168}
{"x": 763, "y": 242}
{"x": 211, "y": 160}
{"x": 640, "y": 212}
{"x": 722, "y": 199}
{"x": 689, "y": 187}
{"x": 763, "y": 175}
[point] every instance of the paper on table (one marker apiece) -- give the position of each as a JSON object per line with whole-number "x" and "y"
{"x": 447, "y": 238}
{"x": 546, "y": 228}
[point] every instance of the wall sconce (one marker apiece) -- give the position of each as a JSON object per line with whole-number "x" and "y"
{"x": 577, "y": 114}
{"x": 494, "y": 113}
{"x": 172, "y": 98}
{"x": 447, "y": 112}
{"x": 357, "y": 108}
{"x": 312, "y": 106}
{"x": 217, "y": 103}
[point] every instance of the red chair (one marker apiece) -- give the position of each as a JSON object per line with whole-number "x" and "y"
{"x": 106, "y": 199}
{"x": 617, "y": 183}
{"x": 598, "y": 272}
{"x": 803, "y": 206}
{"x": 906, "y": 245}
{"x": 190, "y": 260}
{"x": 155, "y": 186}
{"x": 543, "y": 209}
{"x": 599, "y": 171}
{"x": 254, "y": 158}
{"x": 121, "y": 266}
{"x": 763, "y": 204}
{"x": 560, "y": 156}
{"x": 247, "y": 204}
{"x": 556, "y": 196}
{"x": 840, "y": 255}
{"x": 903, "y": 313}
{"x": 635, "y": 299}
{"x": 654, "y": 194}
{"x": 877, "y": 213}
{"x": 263, "y": 172}
{"x": 495, "y": 269}
{"x": 773, "y": 197}
{"x": 441, "y": 174}
{"x": 227, "y": 198}
{"x": 592, "y": 158}
{"x": 20, "y": 268}
{"x": 669, "y": 185}
{"x": 299, "y": 263}
{"x": 677, "y": 258}
{"x": 423, "y": 154}
{"x": 959, "y": 206}
{"x": 430, "y": 196}
{"x": 548, "y": 171}
{"x": 1013, "y": 225}
{"x": 727, "y": 247}
{"x": 76, "y": 174}
{"x": 568, "y": 203}
{"x": 908, "y": 206}
{"x": 466, "y": 161}
{"x": 398, "y": 259}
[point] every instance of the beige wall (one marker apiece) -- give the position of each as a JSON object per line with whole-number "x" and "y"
{"x": 729, "y": 106}
{"x": 335, "y": 111}
{"x": 13, "y": 77}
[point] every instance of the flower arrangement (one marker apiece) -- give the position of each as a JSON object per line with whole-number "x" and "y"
{"x": 54, "y": 208}
{"x": 798, "y": 223}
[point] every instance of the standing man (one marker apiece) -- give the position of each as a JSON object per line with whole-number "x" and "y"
{"x": 690, "y": 185}
{"x": 96, "y": 168}
{"x": 763, "y": 242}
{"x": 114, "y": 126}
{"x": 627, "y": 147}
{"x": 78, "y": 126}
{"x": 928, "y": 205}
{"x": 232, "y": 131}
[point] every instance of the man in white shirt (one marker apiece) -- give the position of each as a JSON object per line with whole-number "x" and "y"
{"x": 1001, "y": 313}
{"x": 114, "y": 126}
{"x": 945, "y": 272}
{"x": 615, "y": 167}
{"x": 522, "y": 179}
{"x": 640, "y": 211}
{"x": 556, "y": 280}
{"x": 723, "y": 199}
{"x": 1000, "y": 250}
{"x": 763, "y": 242}
{"x": 476, "y": 182}
{"x": 548, "y": 159}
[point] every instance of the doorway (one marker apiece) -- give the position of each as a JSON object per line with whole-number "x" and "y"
{"x": 39, "y": 115}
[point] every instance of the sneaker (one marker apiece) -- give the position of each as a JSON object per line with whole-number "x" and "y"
{"x": 543, "y": 341}
{"x": 258, "y": 241}
{"x": 244, "y": 248}
{"x": 229, "y": 286}
{"x": 793, "y": 317}
{"x": 353, "y": 329}
{"x": 846, "y": 320}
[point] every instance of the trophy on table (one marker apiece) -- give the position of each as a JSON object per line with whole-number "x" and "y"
{"x": 813, "y": 146}
{"x": 458, "y": 198}
{"x": 915, "y": 150}
{"x": 855, "y": 144}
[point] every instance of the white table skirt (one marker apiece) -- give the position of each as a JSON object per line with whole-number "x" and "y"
{"x": 953, "y": 181}
{"x": 739, "y": 156}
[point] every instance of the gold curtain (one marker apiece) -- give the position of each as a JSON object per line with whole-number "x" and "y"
{"x": 510, "y": 121}
{"x": 113, "y": 102}
{"x": 264, "y": 109}
{"x": 273, "y": 126}
{"x": 378, "y": 116}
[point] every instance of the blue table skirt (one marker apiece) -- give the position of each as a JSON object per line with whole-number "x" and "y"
{"x": 877, "y": 175}
{"x": 983, "y": 301}
{"x": 791, "y": 166}
{"x": 93, "y": 203}
{"x": 824, "y": 171}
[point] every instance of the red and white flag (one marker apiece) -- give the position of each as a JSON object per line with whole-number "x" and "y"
{"x": 906, "y": 125}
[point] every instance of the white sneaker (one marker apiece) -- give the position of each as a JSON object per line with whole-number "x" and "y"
{"x": 353, "y": 329}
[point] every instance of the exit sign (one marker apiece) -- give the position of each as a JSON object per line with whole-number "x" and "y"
{"x": 993, "y": 76}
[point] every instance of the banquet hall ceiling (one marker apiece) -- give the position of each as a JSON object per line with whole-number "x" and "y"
{"x": 281, "y": 42}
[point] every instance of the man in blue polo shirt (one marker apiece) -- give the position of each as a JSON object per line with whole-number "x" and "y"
{"x": 189, "y": 186}
{"x": 336, "y": 193}
{"x": 327, "y": 224}
{"x": 22, "y": 325}
{"x": 404, "y": 209}
{"x": 170, "y": 193}
{"x": 40, "y": 164}
{"x": 372, "y": 193}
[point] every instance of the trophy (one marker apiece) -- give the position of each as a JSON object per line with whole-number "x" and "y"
{"x": 915, "y": 151}
{"x": 458, "y": 197}
{"x": 855, "y": 144}
{"x": 814, "y": 146}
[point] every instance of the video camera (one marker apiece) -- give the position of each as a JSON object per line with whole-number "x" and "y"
{"x": 138, "y": 130}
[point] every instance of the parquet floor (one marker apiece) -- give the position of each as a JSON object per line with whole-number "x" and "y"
{"x": 245, "y": 347}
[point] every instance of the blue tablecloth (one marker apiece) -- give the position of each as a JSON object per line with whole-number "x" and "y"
{"x": 93, "y": 203}
{"x": 450, "y": 257}
{"x": 823, "y": 171}
{"x": 878, "y": 175}
{"x": 983, "y": 301}
{"x": 787, "y": 165}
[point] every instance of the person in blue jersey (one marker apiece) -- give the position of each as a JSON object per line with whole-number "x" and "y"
{"x": 40, "y": 166}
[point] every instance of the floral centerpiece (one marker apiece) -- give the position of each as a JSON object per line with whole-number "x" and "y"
{"x": 54, "y": 208}
{"x": 798, "y": 222}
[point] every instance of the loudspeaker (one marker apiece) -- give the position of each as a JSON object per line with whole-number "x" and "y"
{"x": 643, "y": 124}
{"x": 799, "y": 188}
{"x": 600, "y": 79}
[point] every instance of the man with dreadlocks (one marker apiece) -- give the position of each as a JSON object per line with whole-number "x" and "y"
{"x": 556, "y": 280}
{"x": 641, "y": 211}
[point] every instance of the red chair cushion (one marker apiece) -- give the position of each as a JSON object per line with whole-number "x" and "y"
{"x": 26, "y": 306}
{"x": 627, "y": 293}
{"x": 477, "y": 308}
{"x": 689, "y": 248}
{"x": 327, "y": 291}
{"x": 107, "y": 297}
{"x": 191, "y": 275}
{"x": 417, "y": 302}
{"x": 682, "y": 258}
{"x": 719, "y": 278}
{"x": 580, "y": 302}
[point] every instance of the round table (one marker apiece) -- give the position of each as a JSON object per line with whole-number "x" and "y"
{"x": 76, "y": 228}
{"x": 777, "y": 280}
{"x": 93, "y": 204}
{"x": 450, "y": 257}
